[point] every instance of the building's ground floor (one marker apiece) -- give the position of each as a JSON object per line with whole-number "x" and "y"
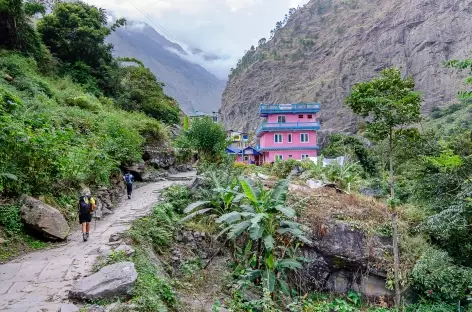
{"x": 272, "y": 156}
{"x": 254, "y": 156}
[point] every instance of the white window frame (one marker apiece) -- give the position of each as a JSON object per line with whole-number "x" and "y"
{"x": 279, "y": 119}
{"x": 290, "y": 156}
{"x": 278, "y": 157}
{"x": 246, "y": 158}
{"x": 289, "y": 138}
{"x": 281, "y": 138}
{"x": 305, "y": 156}
{"x": 307, "y": 138}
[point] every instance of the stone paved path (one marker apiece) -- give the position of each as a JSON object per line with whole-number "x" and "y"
{"x": 40, "y": 281}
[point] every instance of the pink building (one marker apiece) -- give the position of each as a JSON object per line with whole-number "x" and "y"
{"x": 288, "y": 131}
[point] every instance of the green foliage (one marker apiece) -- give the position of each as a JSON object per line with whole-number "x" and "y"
{"x": 463, "y": 64}
{"x": 437, "y": 277}
{"x": 206, "y": 137}
{"x": 282, "y": 168}
{"x": 390, "y": 101}
{"x": 16, "y": 29}
{"x": 10, "y": 219}
{"x": 178, "y": 196}
{"x": 344, "y": 145}
{"x": 57, "y": 136}
{"x": 269, "y": 225}
{"x": 139, "y": 90}
{"x": 156, "y": 230}
{"x": 152, "y": 292}
{"x": 75, "y": 32}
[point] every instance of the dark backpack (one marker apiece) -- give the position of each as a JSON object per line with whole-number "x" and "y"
{"x": 84, "y": 205}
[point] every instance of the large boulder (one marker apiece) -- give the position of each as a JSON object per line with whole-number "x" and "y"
{"x": 344, "y": 258}
{"x": 43, "y": 219}
{"x": 112, "y": 281}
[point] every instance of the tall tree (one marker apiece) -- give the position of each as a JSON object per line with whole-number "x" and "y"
{"x": 390, "y": 104}
{"x": 16, "y": 30}
{"x": 139, "y": 90}
{"x": 75, "y": 32}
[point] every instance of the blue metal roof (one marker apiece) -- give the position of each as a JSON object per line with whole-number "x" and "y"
{"x": 255, "y": 151}
{"x": 232, "y": 150}
{"x": 298, "y": 108}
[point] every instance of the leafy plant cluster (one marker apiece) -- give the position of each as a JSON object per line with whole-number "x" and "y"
{"x": 74, "y": 34}
{"x": 55, "y": 137}
{"x": 205, "y": 137}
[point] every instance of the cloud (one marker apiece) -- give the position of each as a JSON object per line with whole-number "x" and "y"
{"x": 223, "y": 27}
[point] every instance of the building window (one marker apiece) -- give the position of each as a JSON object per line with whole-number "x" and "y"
{"x": 310, "y": 116}
{"x": 289, "y": 138}
{"x": 246, "y": 158}
{"x": 279, "y": 157}
{"x": 304, "y": 138}
{"x": 305, "y": 156}
{"x": 300, "y": 116}
{"x": 278, "y": 138}
{"x": 290, "y": 156}
{"x": 281, "y": 119}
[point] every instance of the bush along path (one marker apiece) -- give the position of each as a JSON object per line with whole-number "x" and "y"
{"x": 41, "y": 281}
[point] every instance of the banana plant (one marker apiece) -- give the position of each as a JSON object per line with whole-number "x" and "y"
{"x": 266, "y": 219}
{"x": 226, "y": 199}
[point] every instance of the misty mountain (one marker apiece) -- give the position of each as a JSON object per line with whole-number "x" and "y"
{"x": 190, "y": 84}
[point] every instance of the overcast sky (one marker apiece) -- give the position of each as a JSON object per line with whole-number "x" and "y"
{"x": 222, "y": 27}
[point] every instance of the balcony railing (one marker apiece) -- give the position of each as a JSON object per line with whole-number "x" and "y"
{"x": 273, "y": 127}
{"x": 266, "y": 109}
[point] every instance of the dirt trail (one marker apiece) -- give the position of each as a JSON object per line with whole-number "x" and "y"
{"x": 41, "y": 281}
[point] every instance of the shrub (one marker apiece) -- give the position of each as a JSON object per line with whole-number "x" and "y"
{"x": 283, "y": 168}
{"x": 156, "y": 230}
{"x": 178, "y": 196}
{"x": 437, "y": 277}
{"x": 10, "y": 219}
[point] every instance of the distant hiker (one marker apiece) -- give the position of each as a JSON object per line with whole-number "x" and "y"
{"x": 129, "y": 179}
{"x": 86, "y": 208}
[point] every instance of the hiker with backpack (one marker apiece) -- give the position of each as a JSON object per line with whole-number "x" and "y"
{"x": 129, "y": 179}
{"x": 86, "y": 208}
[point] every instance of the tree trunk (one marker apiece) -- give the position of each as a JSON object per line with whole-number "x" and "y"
{"x": 396, "y": 258}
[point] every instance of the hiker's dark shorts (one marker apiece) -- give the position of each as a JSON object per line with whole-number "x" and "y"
{"x": 85, "y": 218}
{"x": 129, "y": 188}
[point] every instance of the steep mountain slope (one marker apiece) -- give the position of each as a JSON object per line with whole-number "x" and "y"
{"x": 190, "y": 84}
{"x": 329, "y": 45}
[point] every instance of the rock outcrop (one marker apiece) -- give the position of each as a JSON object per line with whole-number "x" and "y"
{"x": 344, "y": 258}
{"x": 112, "y": 281}
{"x": 43, "y": 219}
{"x": 329, "y": 45}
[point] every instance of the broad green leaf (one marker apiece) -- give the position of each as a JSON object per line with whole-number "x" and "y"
{"x": 290, "y": 224}
{"x": 270, "y": 262}
{"x": 269, "y": 242}
{"x": 194, "y": 214}
{"x": 248, "y": 190}
{"x": 255, "y": 231}
{"x": 192, "y": 206}
{"x": 289, "y": 264}
{"x": 284, "y": 287}
{"x": 238, "y": 229}
{"x": 226, "y": 229}
{"x": 248, "y": 208}
{"x": 229, "y": 217}
{"x": 295, "y": 232}
{"x": 279, "y": 194}
{"x": 215, "y": 180}
{"x": 269, "y": 277}
{"x": 287, "y": 211}
{"x": 9, "y": 176}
